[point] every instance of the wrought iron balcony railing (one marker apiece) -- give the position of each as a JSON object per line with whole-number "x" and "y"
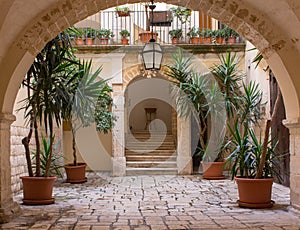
{"x": 165, "y": 25}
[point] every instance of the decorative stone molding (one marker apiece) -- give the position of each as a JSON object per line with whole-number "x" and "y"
{"x": 294, "y": 127}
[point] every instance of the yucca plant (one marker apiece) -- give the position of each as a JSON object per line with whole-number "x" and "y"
{"x": 88, "y": 102}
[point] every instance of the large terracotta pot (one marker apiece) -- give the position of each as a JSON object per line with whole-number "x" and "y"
{"x": 76, "y": 174}
{"x": 255, "y": 193}
{"x": 147, "y": 35}
{"x": 38, "y": 190}
{"x": 213, "y": 170}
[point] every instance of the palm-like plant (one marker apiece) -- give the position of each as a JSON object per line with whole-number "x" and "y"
{"x": 45, "y": 92}
{"x": 197, "y": 94}
{"x": 88, "y": 102}
{"x": 229, "y": 80}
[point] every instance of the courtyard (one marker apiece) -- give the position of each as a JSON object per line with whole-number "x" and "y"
{"x": 153, "y": 202}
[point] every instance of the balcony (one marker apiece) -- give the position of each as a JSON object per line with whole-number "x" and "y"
{"x": 208, "y": 32}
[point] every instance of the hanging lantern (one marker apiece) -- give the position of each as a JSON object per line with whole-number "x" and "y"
{"x": 152, "y": 55}
{"x": 152, "y": 51}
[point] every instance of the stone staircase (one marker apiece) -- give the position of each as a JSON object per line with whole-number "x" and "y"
{"x": 150, "y": 155}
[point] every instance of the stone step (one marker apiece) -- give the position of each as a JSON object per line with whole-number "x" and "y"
{"x": 162, "y": 152}
{"x": 151, "y": 164}
{"x": 150, "y": 158}
{"x": 149, "y": 147}
{"x": 142, "y": 137}
{"x": 151, "y": 171}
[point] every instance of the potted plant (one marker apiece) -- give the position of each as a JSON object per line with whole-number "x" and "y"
{"x": 175, "y": 35}
{"x": 195, "y": 94}
{"x": 194, "y": 35}
{"x": 125, "y": 34}
{"x": 104, "y": 35}
{"x": 183, "y": 14}
{"x": 88, "y": 102}
{"x": 220, "y": 36}
{"x": 76, "y": 34}
{"x": 204, "y": 99}
{"x": 206, "y": 33}
{"x": 230, "y": 35}
{"x": 90, "y": 35}
{"x": 146, "y": 35}
{"x": 254, "y": 161}
{"x": 45, "y": 92}
{"x": 122, "y": 11}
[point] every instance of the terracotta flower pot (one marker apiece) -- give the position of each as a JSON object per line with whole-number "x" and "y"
{"x": 231, "y": 40}
{"x": 213, "y": 170}
{"x": 220, "y": 40}
{"x": 123, "y": 14}
{"x": 125, "y": 41}
{"x": 207, "y": 40}
{"x": 195, "y": 40}
{"x": 38, "y": 190}
{"x": 255, "y": 193}
{"x": 147, "y": 35}
{"x": 76, "y": 174}
{"x": 175, "y": 40}
{"x": 90, "y": 41}
{"x": 79, "y": 41}
{"x": 103, "y": 41}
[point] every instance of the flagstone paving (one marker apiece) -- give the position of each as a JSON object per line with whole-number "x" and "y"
{"x": 153, "y": 202}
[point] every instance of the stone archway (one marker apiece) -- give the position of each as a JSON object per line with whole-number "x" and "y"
{"x": 28, "y": 27}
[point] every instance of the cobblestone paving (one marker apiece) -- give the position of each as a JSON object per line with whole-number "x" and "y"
{"x": 153, "y": 202}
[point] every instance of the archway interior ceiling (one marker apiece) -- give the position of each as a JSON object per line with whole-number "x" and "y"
{"x": 251, "y": 24}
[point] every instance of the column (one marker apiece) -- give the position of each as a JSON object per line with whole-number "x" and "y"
{"x": 8, "y": 208}
{"x": 294, "y": 128}
{"x": 184, "y": 157}
{"x": 118, "y": 138}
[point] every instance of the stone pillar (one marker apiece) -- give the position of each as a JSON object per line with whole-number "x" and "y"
{"x": 184, "y": 157}
{"x": 8, "y": 208}
{"x": 118, "y": 139}
{"x": 294, "y": 128}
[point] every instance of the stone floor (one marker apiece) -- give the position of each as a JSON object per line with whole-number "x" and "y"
{"x": 153, "y": 202}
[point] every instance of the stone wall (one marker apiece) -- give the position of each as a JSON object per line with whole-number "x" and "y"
{"x": 17, "y": 157}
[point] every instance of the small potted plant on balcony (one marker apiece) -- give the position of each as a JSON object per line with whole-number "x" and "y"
{"x": 220, "y": 36}
{"x": 230, "y": 35}
{"x": 125, "y": 34}
{"x": 122, "y": 11}
{"x": 194, "y": 35}
{"x": 90, "y": 35}
{"x": 183, "y": 14}
{"x": 207, "y": 36}
{"x": 175, "y": 35}
{"x": 76, "y": 34}
{"x": 104, "y": 35}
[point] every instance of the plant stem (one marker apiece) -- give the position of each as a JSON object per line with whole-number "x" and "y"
{"x": 266, "y": 137}
{"x": 38, "y": 150}
{"x": 74, "y": 146}
{"x": 25, "y": 142}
